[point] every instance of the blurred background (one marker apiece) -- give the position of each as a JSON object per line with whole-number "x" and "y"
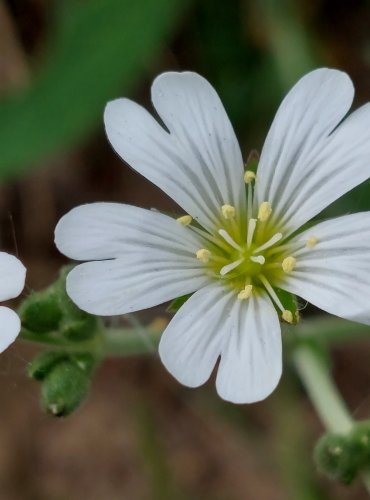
{"x": 140, "y": 435}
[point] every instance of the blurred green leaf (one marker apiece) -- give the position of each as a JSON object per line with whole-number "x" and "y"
{"x": 100, "y": 48}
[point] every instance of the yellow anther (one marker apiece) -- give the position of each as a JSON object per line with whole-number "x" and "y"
{"x": 203, "y": 255}
{"x": 228, "y": 211}
{"x": 287, "y": 316}
{"x": 264, "y": 211}
{"x": 312, "y": 242}
{"x": 245, "y": 293}
{"x": 185, "y": 220}
{"x": 249, "y": 176}
{"x": 288, "y": 264}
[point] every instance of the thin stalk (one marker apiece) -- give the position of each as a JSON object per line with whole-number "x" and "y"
{"x": 324, "y": 395}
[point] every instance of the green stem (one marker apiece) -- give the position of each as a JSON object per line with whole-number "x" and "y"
{"x": 322, "y": 391}
{"x": 126, "y": 342}
{"x": 94, "y": 345}
{"x": 324, "y": 395}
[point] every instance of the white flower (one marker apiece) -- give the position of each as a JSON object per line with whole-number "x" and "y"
{"x": 231, "y": 251}
{"x": 12, "y": 277}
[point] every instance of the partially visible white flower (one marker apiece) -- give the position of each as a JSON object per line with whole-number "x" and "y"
{"x": 12, "y": 278}
{"x": 230, "y": 251}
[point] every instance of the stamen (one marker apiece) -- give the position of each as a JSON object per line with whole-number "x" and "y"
{"x": 228, "y": 211}
{"x": 289, "y": 264}
{"x": 277, "y": 237}
{"x": 212, "y": 239}
{"x": 264, "y": 211}
{"x": 272, "y": 292}
{"x": 203, "y": 255}
{"x": 287, "y": 316}
{"x": 229, "y": 239}
{"x": 245, "y": 293}
{"x": 259, "y": 259}
{"x": 312, "y": 242}
{"x": 249, "y": 176}
{"x": 185, "y": 220}
{"x": 251, "y": 228}
{"x": 229, "y": 267}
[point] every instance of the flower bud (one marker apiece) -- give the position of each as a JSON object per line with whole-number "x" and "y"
{"x": 334, "y": 456}
{"x": 41, "y": 312}
{"x": 64, "y": 388}
{"x": 41, "y": 366}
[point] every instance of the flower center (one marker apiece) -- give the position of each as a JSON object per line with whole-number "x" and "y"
{"x": 252, "y": 262}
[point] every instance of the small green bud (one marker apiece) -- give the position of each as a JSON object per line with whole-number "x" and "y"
{"x": 41, "y": 312}
{"x": 334, "y": 456}
{"x": 41, "y": 366}
{"x": 82, "y": 329}
{"x": 64, "y": 388}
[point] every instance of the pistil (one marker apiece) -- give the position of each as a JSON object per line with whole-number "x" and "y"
{"x": 229, "y": 267}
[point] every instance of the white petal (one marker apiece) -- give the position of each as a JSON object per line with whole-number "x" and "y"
{"x": 107, "y": 230}
{"x": 335, "y": 274}
{"x": 12, "y": 276}
{"x": 192, "y": 342}
{"x": 10, "y": 326}
{"x": 251, "y": 359}
{"x": 152, "y": 258}
{"x": 300, "y": 171}
{"x": 198, "y": 163}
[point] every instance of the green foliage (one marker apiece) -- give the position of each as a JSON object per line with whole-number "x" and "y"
{"x": 100, "y": 48}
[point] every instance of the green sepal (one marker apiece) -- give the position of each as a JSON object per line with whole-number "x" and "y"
{"x": 64, "y": 388}
{"x": 41, "y": 312}
{"x": 252, "y": 161}
{"x": 360, "y": 442}
{"x": 42, "y": 364}
{"x": 334, "y": 456}
{"x": 289, "y": 302}
{"x": 80, "y": 330}
{"x": 177, "y": 303}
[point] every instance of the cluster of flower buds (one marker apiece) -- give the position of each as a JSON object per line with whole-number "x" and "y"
{"x": 73, "y": 336}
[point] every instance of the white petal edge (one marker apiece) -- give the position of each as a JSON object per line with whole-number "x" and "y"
{"x": 10, "y": 326}
{"x": 107, "y": 230}
{"x": 150, "y": 258}
{"x": 121, "y": 286}
{"x": 246, "y": 334}
{"x": 198, "y": 163}
{"x": 251, "y": 358}
{"x": 12, "y": 276}
{"x": 298, "y": 168}
{"x": 192, "y": 342}
{"x": 335, "y": 274}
